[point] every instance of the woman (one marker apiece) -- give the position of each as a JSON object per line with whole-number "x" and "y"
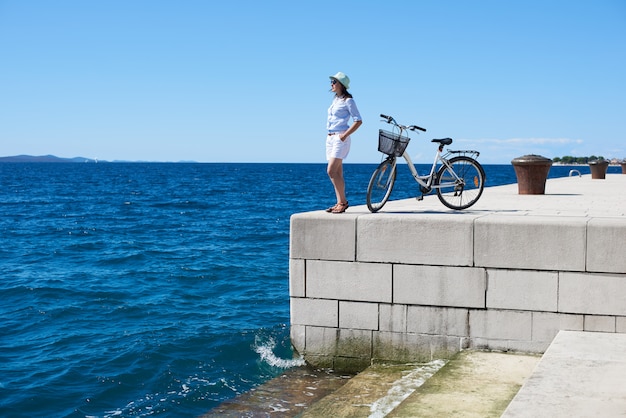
{"x": 340, "y": 111}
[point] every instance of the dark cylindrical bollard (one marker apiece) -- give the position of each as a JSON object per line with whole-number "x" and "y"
{"x": 532, "y": 172}
{"x": 598, "y": 169}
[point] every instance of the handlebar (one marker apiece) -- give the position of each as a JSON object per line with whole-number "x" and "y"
{"x": 392, "y": 121}
{"x": 389, "y": 118}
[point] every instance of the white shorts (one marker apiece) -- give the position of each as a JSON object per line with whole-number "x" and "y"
{"x": 336, "y": 148}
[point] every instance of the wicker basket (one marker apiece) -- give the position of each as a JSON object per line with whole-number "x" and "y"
{"x": 392, "y": 144}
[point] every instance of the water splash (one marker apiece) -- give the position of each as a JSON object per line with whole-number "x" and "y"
{"x": 266, "y": 353}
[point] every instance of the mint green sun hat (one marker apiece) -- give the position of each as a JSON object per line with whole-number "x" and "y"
{"x": 342, "y": 78}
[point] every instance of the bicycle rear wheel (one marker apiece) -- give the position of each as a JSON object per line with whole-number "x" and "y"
{"x": 381, "y": 184}
{"x": 462, "y": 190}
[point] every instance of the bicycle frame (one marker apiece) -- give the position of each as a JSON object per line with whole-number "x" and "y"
{"x": 427, "y": 181}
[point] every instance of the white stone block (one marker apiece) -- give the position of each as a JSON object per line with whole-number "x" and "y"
{"x": 322, "y": 236}
{"x": 606, "y": 245}
{"x": 438, "y": 321}
{"x": 320, "y": 340}
{"x": 296, "y": 278}
{"x": 546, "y": 325}
{"x": 599, "y": 323}
{"x": 354, "y": 343}
{"x": 439, "y": 286}
{"x": 620, "y": 324}
{"x": 365, "y": 282}
{"x": 500, "y": 325}
{"x": 591, "y": 293}
{"x": 406, "y": 347}
{"x": 531, "y": 242}
{"x": 527, "y": 290}
{"x": 297, "y": 334}
{"x": 392, "y": 317}
{"x": 317, "y": 312}
{"x": 440, "y": 239}
{"x": 358, "y": 315}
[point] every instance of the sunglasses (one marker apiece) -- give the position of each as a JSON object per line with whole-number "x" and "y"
{"x": 333, "y": 82}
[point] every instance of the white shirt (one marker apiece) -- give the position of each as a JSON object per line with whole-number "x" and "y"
{"x": 339, "y": 114}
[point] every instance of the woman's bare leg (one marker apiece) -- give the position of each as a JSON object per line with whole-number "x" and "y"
{"x": 335, "y": 172}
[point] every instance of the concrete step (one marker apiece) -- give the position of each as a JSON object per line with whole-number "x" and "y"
{"x": 285, "y": 396}
{"x": 471, "y": 384}
{"x": 376, "y": 391}
{"x": 582, "y": 374}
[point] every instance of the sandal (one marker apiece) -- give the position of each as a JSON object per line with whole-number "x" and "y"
{"x": 332, "y": 208}
{"x": 340, "y": 208}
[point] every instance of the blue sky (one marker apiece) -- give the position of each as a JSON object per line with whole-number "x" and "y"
{"x": 247, "y": 81}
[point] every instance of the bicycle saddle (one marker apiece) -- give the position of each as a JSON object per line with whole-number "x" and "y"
{"x": 443, "y": 141}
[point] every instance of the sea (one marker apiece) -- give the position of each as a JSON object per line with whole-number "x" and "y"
{"x": 154, "y": 289}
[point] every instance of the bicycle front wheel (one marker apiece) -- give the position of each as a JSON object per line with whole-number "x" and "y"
{"x": 381, "y": 184}
{"x": 460, "y": 185}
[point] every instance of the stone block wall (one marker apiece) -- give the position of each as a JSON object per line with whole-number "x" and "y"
{"x": 414, "y": 287}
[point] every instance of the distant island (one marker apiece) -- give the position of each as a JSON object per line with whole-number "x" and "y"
{"x": 45, "y": 159}
{"x": 55, "y": 159}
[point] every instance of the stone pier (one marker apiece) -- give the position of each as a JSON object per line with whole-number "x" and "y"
{"x": 417, "y": 281}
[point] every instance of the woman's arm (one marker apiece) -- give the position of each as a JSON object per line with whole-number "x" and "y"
{"x": 350, "y": 130}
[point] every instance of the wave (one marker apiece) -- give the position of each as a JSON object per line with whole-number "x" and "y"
{"x": 266, "y": 353}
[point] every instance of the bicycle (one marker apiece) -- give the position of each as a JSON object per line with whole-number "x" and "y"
{"x": 456, "y": 175}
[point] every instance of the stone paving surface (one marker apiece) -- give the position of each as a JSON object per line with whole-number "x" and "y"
{"x": 565, "y": 196}
{"x": 582, "y": 374}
